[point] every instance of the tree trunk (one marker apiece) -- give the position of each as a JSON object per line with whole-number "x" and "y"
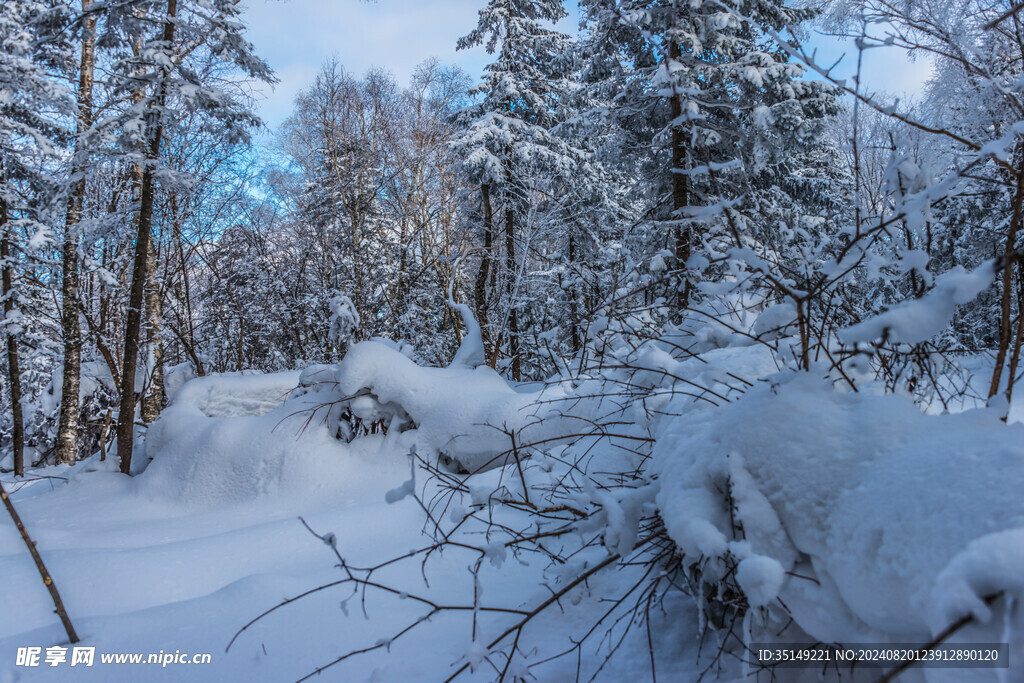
{"x": 574, "y": 309}
{"x": 240, "y": 348}
{"x": 480, "y": 287}
{"x": 680, "y": 192}
{"x": 1018, "y": 340}
{"x": 402, "y": 286}
{"x": 1010, "y": 262}
{"x": 13, "y": 369}
{"x": 126, "y": 413}
{"x": 187, "y": 333}
{"x": 513, "y": 317}
{"x": 153, "y": 401}
{"x": 67, "y": 429}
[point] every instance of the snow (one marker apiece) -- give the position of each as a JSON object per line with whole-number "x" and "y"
{"x": 143, "y": 575}
{"x": 854, "y": 513}
{"x": 233, "y": 439}
{"x": 233, "y": 394}
{"x": 990, "y": 564}
{"x": 917, "y": 320}
{"x": 760, "y": 577}
{"x": 891, "y": 524}
{"x": 458, "y": 412}
{"x": 344, "y": 319}
{"x": 183, "y": 555}
{"x": 470, "y": 353}
{"x": 773, "y": 322}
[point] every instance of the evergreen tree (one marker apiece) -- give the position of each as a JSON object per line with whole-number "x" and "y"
{"x": 508, "y": 144}
{"x": 707, "y": 103}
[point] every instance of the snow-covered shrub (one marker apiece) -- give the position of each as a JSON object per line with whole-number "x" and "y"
{"x": 868, "y": 522}
{"x": 461, "y": 414}
{"x": 240, "y": 437}
{"x": 97, "y": 396}
{"x": 344, "y": 319}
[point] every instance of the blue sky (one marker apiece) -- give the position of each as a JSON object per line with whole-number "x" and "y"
{"x": 297, "y": 36}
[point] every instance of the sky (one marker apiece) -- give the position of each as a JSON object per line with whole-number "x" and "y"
{"x": 296, "y": 37}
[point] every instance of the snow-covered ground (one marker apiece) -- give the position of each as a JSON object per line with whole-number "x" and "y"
{"x": 183, "y": 555}
{"x": 844, "y": 516}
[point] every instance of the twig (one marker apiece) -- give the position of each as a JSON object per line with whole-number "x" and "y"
{"x": 43, "y": 572}
{"x": 938, "y": 640}
{"x": 1004, "y": 16}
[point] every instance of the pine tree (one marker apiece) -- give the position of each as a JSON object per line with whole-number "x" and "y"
{"x": 706, "y": 90}
{"x": 508, "y": 142}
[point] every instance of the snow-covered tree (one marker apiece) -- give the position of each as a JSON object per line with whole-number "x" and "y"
{"x": 157, "y": 73}
{"x": 508, "y": 146}
{"x": 33, "y": 109}
{"x": 707, "y": 105}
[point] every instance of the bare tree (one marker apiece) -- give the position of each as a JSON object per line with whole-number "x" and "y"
{"x": 67, "y": 431}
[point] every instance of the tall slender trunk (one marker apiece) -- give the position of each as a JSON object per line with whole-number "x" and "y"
{"x": 1005, "y": 312}
{"x": 188, "y": 331}
{"x": 574, "y": 294}
{"x": 680, "y": 190}
{"x": 153, "y": 401}
{"x": 513, "y": 317}
{"x": 240, "y": 347}
{"x": 357, "y": 273}
{"x": 67, "y": 427}
{"x": 1018, "y": 339}
{"x": 402, "y": 286}
{"x": 480, "y": 286}
{"x": 126, "y": 414}
{"x": 13, "y": 369}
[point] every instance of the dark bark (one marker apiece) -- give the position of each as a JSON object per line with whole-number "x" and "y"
{"x": 480, "y": 287}
{"x": 13, "y": 368}
{"x": 680, "y": 191}
{"x": 126, "y": 413}
{"x": 1009, "y": 264}
{"x": 240, "y": 348}
{"x": 515, "y": 370}
{"x": 67, "y": 428}
{"x": 574, "y": 295}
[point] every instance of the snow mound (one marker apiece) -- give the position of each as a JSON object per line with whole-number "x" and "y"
{"x": 237, "y": 394}
{"x": 230, "y": 439}
{"x": 462, "y": 413}
{"x": 868, "y": 520}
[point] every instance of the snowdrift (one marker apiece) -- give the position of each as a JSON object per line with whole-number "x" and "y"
{"x": 869, "y": 521}
{"x": 854, "y": 514}
{"x": 460, "y": 414}
{"x": 232, "y": 438}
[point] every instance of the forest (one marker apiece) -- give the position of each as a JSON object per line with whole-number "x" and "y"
{"x": 659, "y": 346}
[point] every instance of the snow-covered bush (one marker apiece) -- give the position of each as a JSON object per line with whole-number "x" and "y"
{"x": 868, "y": 522}
{"x": 98, "y": 395}
{"x": 463, "y": 415}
